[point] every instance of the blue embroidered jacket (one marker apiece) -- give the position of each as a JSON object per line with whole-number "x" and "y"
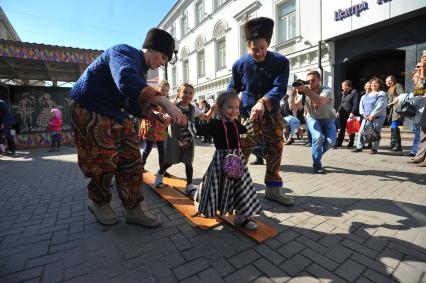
{"x": 111, "y": 84}
{"x": 255, "y": 80}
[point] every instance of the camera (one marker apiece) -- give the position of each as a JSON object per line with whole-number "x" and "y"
{"x": 299, "y": 82}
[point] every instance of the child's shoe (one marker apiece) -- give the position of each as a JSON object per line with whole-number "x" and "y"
{"x": 159, "y": 180}
{"x": 190, "y": 190}
{"x": 245, "y": 222}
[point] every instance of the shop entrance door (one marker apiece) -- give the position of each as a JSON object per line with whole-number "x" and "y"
{"x": 379, "y": 64}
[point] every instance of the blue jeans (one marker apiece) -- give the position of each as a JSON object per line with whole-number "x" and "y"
{"x": 293, "y": 123}
{"x": 323, "y": 133}
{"x": 147, "y": 150}
{"x": 378, "y": 123}
{"x": 416, "y": 140}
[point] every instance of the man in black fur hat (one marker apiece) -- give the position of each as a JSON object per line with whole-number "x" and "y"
{"x": 113, "y": 87}
{"x": 261, "y": 76}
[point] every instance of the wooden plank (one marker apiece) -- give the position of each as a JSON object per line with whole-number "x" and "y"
{"x": 181, "y": 203}
{"x": 261, "y": 234}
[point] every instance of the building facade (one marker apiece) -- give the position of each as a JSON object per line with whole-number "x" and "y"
{"x": 342, "y": 39}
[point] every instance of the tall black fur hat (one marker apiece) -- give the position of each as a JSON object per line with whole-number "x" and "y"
{"x": 160, "y": 40}
{"x": 259, "y": 28}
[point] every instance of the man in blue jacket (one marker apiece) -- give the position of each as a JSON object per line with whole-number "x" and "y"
{"x": 113, "y": 87}
{"x": 7, "y": 120}
{"x": 261, "y": 76}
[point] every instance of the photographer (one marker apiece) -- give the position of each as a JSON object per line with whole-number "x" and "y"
{"x": 319, "y": 102}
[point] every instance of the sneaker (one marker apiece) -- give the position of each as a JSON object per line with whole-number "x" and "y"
{"x": 159, "y": 180}
{"x": 373, "y": 151}
{"x": 357, "y": 150}
{"x": 141, "y": 215}
{"x": 245, "y": 222}
{"x": 190, "y": 190}
{"x": 103, "y": 213}
{"x": 410, "y": 154}
{"x": 277, "y": 194}
{"x": 319, "y": 170}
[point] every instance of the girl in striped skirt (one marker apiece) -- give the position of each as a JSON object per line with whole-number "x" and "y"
{"x": 218, "y": 192}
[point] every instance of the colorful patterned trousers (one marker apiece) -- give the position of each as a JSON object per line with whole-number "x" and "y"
{"x": 269, "y": 130}
{"x": 107, "y": 148}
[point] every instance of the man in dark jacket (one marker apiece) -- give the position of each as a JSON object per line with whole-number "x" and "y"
{"x": 7, "y": 120}
{"x": 347, "y": 109}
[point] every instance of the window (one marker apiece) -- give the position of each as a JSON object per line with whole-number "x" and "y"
{"x": 201, "y": 64}
{"x": 287, "y": 21}
{"x": 173, "y": 30}
{"x": 199, "y": 12}
{"x": 185, "y": 71}
{"x": 218, "y": 3}
{"x": 221, "y": 54}
{"x": 184, "y": 24}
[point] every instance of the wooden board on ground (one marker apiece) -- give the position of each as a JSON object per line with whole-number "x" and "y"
{"x": 262, "y": 233}
{"x": 180, "y": 202}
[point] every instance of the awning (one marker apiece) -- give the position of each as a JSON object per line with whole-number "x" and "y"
{"x": 32, "y": 61}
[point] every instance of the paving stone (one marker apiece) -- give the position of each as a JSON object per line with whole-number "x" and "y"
{"x": 295, "y": 264}
{"x": 244, "y": 258}
{"x": 246, "y": 274}
{"x": 190, "y": 268}
{"x": 339, "y": 254}
{"x": 291, "y": 249}
{"x": 378, "y": 277}
{"x": 320, "y": 259}
{"x": 323, "y": 274}
{"x": 270, "y": 254}
{"x": 210, "y": 276}
{"x": 271, "y": 271}
{"x": 350, "y": 270}
{"x": 406, "y": 273}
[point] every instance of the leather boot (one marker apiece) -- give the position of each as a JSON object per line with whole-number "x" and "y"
{"x": 277, "y": 194}
{"x": 392, "y": 140}
{"x": 142, "y": 216}
{"x": 397, "y": 138}
{"x": 103, "y": 213}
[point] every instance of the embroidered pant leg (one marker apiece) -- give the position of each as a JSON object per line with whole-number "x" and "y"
{"x": 107, "y": 148}
{"x": 272, "y": 132}
{"x": 250, "y": 141}
{"x": 128, "y": 176}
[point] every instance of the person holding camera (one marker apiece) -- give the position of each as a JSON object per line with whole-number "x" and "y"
{"x": 319, "y": 101}
{"x": 261, "y": 76}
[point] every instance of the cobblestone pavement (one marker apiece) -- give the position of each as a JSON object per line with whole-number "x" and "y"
{"x": 364, "y": 221}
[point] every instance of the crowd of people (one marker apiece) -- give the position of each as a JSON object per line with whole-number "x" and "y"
{"x": 257, "y": 114}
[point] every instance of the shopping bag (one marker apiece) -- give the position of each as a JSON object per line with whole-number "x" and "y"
{"x": 353, "y": 125}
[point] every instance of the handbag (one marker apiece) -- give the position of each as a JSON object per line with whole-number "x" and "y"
{"x": 233, "y": 165}
{"x": 406, "y": 108}
{"x": 353, "y": 125}
{"x": 370, "y": 133}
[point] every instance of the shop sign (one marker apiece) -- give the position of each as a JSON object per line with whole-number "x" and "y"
{"x": 340, "y": 15}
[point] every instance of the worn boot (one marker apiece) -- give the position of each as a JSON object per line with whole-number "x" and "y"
{"x": 103, "y": 213}
{"x": 397, "y": 146}
{"x": 277, "y": 194}
{"x": 392, "y": 140}
{"x": 142, "y": 216}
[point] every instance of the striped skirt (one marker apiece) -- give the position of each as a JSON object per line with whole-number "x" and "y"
{"x": 219, "y": 194}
